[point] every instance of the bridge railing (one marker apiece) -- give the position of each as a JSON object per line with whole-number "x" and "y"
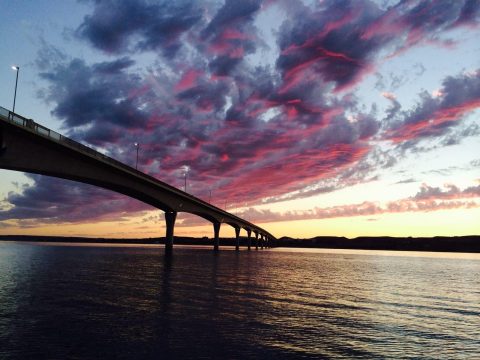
{"x": 46, "y": 132}
{"x": 18, "y": 120}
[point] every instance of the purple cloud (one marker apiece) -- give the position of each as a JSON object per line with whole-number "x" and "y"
{"x": 340, "y": 41}
{"x": 434, "y": 116}
{"x": 113, "y": 26}
{"x": 53, "y": 200}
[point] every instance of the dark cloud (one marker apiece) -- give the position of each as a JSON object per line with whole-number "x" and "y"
{"x": 230, "y": 36}
{"x": 327, "y": 43}
{"x": 230, "y": 13}
{"x": 434, "y": 116}
{"x": 114, "y": 25}
{"x": 53, "y": 200}
{"x": 223, "y": 65}
{"x": 469, "y": 14}
{"x": 95, "y": 102}
{"x": 339, "y": 41}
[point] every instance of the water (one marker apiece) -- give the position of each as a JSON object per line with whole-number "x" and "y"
{"x": 106, "y": 302}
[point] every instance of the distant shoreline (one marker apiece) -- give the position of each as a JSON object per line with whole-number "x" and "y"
{"x": 440, "y": 243}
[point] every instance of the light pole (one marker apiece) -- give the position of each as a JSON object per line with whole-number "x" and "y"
{"x": 137, "y": 145}
{"x": 17, "y": 69}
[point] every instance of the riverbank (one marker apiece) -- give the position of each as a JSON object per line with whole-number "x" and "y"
{"x": 440, "y": 243}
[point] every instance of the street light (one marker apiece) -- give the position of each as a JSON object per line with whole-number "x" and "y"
{"x": 17, "y": 69}
{"x": 137, "y": 145}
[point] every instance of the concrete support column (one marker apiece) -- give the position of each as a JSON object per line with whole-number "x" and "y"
{"x": 249, "y": 240}
{"x": 256, "y": 240}
{"x": 237, "y": 239}
{"x": 262, "y": 239}
{"x": 216, "y": 234}
{"x": 170, "y": 217}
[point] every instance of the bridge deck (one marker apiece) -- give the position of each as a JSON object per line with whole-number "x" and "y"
{"x": 117, "y": 176}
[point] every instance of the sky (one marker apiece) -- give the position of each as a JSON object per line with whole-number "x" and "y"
{"x": 308, "y": 118}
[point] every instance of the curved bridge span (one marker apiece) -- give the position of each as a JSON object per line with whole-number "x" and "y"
{"x": 30, "y": 147}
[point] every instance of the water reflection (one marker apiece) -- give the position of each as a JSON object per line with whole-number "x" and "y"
{"x": 118, "y": 302}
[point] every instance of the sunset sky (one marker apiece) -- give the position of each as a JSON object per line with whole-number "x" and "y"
{"x": 306, "y": 117}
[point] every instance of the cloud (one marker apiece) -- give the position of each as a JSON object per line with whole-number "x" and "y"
{"x": 366, "y": 208}
{"x": 326, "y": 44}
{"x": 53, "y": 200}
{"x": 113, "y": 25}
{"x": 340, "y": 41}
{"x": 230, "y": 36}
{"x": 421, "y": 21}
{"x": 406, "y": 181}
{"x": 426, "y": 200}
{"x": 214, "y": 126}
{"x": 99, "y": 99}
{"x": 434, "y": 116}
{"x": 262, "y": 133}
{"x": 450, "y": 192}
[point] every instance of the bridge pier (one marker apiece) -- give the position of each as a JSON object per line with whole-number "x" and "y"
{"x": 237, "y": 239}
{"x": 262, "y": 240}
{"x": 256, "y": 240}
{"x": 249, "y": 240}
{"x": 170, "y": 217}
{"x": 216, "y": 234}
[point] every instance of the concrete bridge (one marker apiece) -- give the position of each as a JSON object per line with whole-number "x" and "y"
{"x": 30, "y": 147}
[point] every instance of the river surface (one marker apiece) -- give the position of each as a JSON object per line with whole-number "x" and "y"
{"x": 121, "y": 302}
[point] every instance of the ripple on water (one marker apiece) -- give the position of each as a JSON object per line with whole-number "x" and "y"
{"x": 114, "y": 302}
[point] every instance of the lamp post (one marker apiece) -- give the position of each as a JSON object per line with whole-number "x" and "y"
{"x": 17, "y": 69}
{"x": 137, "y": 145}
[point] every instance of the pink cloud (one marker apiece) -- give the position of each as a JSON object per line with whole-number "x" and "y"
{"x": 188, "y": 80}
{"x": 432, "y": 124}
{"x": 438, "y": 200}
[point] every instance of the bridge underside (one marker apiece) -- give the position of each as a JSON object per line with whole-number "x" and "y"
{"x": 22, "y": 148}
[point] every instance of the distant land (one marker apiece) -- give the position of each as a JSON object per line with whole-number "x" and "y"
{"x": 439, "y": 243}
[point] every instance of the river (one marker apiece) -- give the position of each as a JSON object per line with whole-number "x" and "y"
{"x": 130, "y": 302}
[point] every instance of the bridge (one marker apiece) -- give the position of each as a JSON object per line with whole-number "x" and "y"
{"x": 30, "y": 147}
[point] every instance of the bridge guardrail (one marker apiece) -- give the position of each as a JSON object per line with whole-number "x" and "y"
{"x": 42, "y": 130}
{"x": 46, "y": 132}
